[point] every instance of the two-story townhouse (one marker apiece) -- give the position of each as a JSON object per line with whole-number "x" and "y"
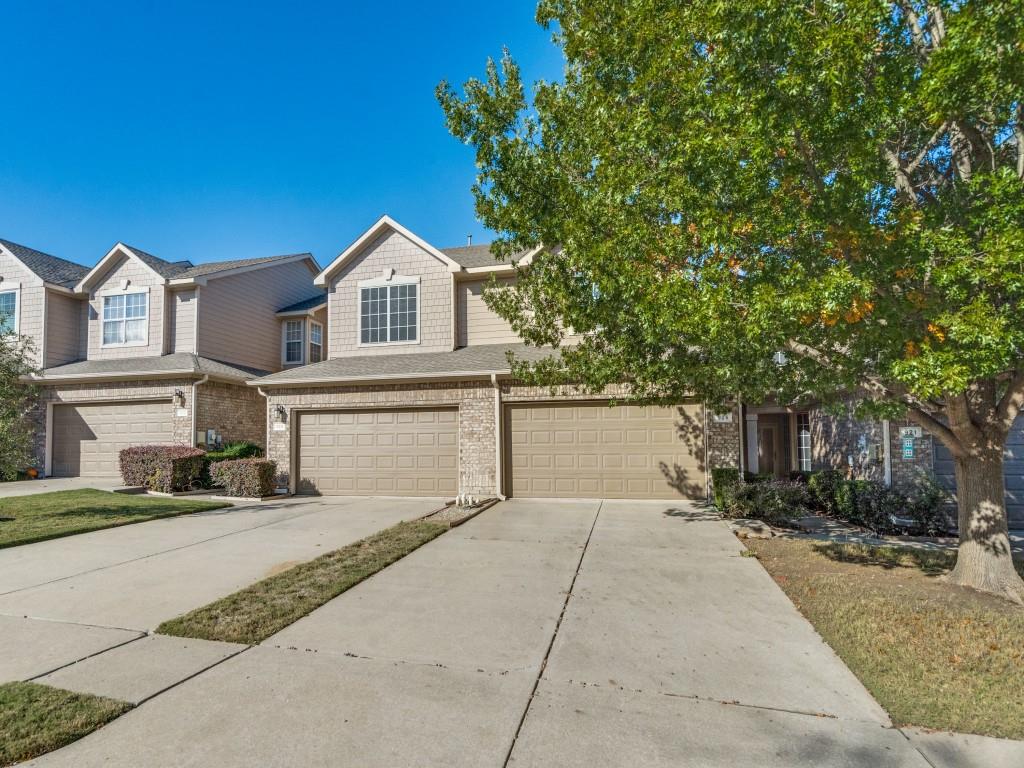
{"x": 415, "y": 395}
{"x": 161, "y": 353}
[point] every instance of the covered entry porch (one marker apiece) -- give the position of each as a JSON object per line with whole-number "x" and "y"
{"x": 776, "y": 440}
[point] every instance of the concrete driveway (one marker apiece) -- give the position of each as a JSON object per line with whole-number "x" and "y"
{"x": 69, "y": 598}
{"x": 50, "y": 484}
{"x": 538, "y": 634}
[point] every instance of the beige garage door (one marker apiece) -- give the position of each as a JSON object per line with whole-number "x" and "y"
{"x": 593, "y": 451}
{"x": 88, "y": 438}
{"x": 387, "y": 453}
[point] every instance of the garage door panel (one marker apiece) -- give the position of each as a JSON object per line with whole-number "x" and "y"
{"x": 386, "y": 452}
{"x": 88, "y": 438}
{"x": 590, "y": 449}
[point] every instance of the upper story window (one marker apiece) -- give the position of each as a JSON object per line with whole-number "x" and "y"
{"x": 316, "y": 342}
{"x": 8, "y": 312}
{"x": 293, "y": 337}
{"x": 125, "y": 319}
{"x": 388, "y": 314}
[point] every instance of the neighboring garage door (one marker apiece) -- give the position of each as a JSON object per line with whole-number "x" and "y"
{"x": 88, "y": 438}
{"x": 1013, "y": 471}
{"x": 412, "y": 452}
{"x": 589, "y": 450}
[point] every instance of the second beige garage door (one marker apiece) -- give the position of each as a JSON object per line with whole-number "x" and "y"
{"x": 88, "y": 438}
{"x": 385, "y": 452}
{"x": 588, "y": 450}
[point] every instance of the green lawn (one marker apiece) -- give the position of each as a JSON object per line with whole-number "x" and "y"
{"x": 255, "y": 613}
{"x": 36, "y": 719}
{"x": 25, "y": 519}
{"x": 932, "y": 654}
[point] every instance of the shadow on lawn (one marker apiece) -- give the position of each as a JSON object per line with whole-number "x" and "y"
{"x": 929, "y": 562}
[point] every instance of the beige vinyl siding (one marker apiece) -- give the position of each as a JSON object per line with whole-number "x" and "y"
{"x": 30, "y": 298}
{"x": 181, "y": 318}
{"x": 478, "y": 324}
{"x": 64, "y": 316}
{"x": 392, "y": 251}
{"x": 109, "y": 284}
{"x": 237, "y": 320}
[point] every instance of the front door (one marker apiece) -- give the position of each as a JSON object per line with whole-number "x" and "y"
{"x": 767, "y": 441}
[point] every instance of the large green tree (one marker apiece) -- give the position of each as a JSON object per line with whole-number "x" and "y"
{"x": 841, "y": 180}
{"x": 18, "y": 398}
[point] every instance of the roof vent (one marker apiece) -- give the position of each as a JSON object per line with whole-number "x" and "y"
{"x": 469, "y": 239}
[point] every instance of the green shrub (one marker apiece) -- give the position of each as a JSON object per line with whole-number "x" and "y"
{"x": 245, "y": 477}
{"x": 757, "y": 477}
{"x": 823, "y": 485}
{"x": 238, "y": 450}
{"x": 724, "y": 481}
{"x": 926, "y": 505}
{"x": 777, "y": 502}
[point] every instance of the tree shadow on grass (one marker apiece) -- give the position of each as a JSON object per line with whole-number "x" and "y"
{"x": 127, "y": 512}
{"x": 928, "y": 561}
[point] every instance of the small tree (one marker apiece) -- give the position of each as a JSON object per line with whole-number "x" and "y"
{"x": 17, "y": 400}
{"x": 842, "y": 180}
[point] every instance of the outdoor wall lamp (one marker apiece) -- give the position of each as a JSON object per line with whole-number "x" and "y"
{"x": 279, "y": 412}
{"x": 179, "y": 398}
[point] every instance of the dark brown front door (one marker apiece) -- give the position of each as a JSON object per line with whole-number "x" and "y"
{"x": 767, "y": 448}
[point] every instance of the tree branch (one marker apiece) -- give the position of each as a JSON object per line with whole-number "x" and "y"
{"x": 928, "y": 147}
{"x": 938, "y": 429}
{"x": 914, "y": 24}
{"x": 1012, "y": 401}
{"x": 1018, "y": 132}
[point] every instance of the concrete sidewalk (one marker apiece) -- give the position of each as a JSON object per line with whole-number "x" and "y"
{"x": 51, "y": 484}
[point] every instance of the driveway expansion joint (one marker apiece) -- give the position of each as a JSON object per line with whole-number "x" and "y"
{"x": 554, "y": 636}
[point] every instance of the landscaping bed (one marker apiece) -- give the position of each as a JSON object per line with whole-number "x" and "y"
{"x": 933, "y": 654}
{"x": 42, "y": 516}
{"x": 36, "y": 719}
{"x": 253, "y": 614}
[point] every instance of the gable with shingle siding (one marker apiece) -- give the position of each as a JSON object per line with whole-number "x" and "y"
{"x": 392, "y": 250}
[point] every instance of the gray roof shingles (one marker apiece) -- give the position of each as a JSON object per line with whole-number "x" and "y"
{"x": 476, "y": 360}
{"x": 469, "y": 256}
{"x": 50, "y": 268}
{"x": 183, "y": 362}
{"x": 184, "y": 270}
{"x": 306, "y": 304}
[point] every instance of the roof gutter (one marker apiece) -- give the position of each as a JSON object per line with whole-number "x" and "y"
{"x": 74, "y": 378}
{"x": 344, "y": 380}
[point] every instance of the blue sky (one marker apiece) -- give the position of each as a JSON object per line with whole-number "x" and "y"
{"x": 226, "y": 130}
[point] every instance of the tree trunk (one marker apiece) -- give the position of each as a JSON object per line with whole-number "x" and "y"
{"x": 984, "y": 560}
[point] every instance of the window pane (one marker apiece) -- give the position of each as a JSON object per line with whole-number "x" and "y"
{"x": 803, "y": 432}
{"x": 113, "y": 332}
{"x": 113, "y": 307}
{"x": 135, "y": 330}
{"x": 135, "y": 305}
{"x": 293, "y": 352}
{"x": 8, "y": 310}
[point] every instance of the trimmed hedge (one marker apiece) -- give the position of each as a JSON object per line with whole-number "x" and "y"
{"x": 777, "y": 502}
{"x": 724, "y": 481}
{"x": 164, "y": 468}
{"x": 871, "y": 504}
{"x": 245, "y": 477}
{"x": 823, "y": 485}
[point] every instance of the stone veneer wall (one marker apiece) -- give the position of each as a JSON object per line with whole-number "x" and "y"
{"x": 835, "y": 438}
{"x": 70, "y": 394}
{"x": 477, "y": 426}
{"x": 236, "y": 411}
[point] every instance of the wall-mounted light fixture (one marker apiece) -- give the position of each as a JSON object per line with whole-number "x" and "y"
{"x": 280, "y": 413}
{"x": 179, "y": 398}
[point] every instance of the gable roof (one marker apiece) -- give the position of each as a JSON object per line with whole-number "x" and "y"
{"x": 184, "y": 270}
{"x": 50, "y": 269}
{"x": 382, "y": 224}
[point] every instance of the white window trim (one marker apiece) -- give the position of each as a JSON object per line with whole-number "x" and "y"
{"x": 314, "y": 324}
{"x": 381, "y": 282}
{"x": 103, "y": 309}
{"x": 284, "y": 343}
{"x": 14, "y": 288}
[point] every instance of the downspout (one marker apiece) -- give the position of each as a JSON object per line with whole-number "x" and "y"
{"x": 887, "y": 453}
{"x": 195, "y": 386}
{"x": 707, "y": 455}
{"x": 499, "y": 438}
{"x": 741, "y": 427}
{"x": 266, "y": 428}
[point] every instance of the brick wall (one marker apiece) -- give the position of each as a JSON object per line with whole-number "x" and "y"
{"x": 237, "y": 412}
